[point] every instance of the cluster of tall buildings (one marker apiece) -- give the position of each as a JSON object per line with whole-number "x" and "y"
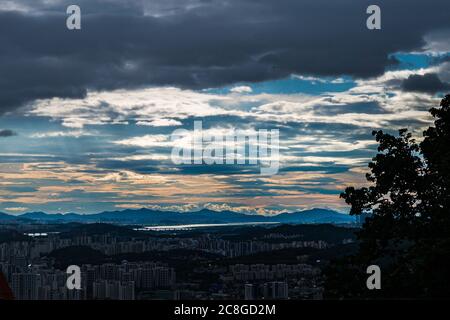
{"x": 274, "y": 290}
{"x": 241, "y": 272}
{"x": 42, "y": 284}
{"x": 105, "y": 281}
{"x": 242, "y": 248}
{"x": 32, "y": 273}
{"x": 113, "y": 290}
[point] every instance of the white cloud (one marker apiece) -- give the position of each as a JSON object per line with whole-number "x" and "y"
{"x": 141, "y": 157}
{"x": 319, "y": 79}
{"x": 118, "y": 106}
{"x": 16, "y": 209}
{"x": 161, "y": 106}
{"x": 146, "y": 141}
{"x": 327, "y": 143}
{"x": 241, "y": 89}
{"x": 7, "y": 5}
{"x": 335, "y": 160}
{"x": 130, "y": 176}
{"x": 160, "y": 123}
{"x": 55, "y": 134}
{"x": 166, "y": 106}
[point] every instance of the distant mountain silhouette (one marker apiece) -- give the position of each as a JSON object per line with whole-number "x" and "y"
{"x": 314, "y": 216}
{"x": 4, "y": 216}
{"x": 155, "y": 217}
{"x": 10, "y": 218}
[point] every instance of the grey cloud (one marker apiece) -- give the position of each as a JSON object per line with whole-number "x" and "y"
{"x": 428, "y": 83}
{"x": 365, "y": 107}
{"x": 7, "y": 133}
{"x": 444, "y": 70}
{"x": 198, "y": 43}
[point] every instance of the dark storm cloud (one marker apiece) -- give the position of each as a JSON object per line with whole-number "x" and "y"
{"x": 198, "y": 43}
{"x": 364, "y": 107}
{"x": 428, "y": 83}
{"x": 7, "y": 133}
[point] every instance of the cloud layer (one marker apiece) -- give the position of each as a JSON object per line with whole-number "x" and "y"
{"x": 198, "y": 44}
{"x": 99, "y": 104}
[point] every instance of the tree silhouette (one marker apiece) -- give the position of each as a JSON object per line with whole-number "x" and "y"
{"x": 408, "y": 231}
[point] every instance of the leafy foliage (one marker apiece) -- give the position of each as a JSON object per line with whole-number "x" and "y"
{"x": 408, "y": 231}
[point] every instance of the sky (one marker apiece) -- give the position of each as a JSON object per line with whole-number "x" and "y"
{"x": 86, "y": 115}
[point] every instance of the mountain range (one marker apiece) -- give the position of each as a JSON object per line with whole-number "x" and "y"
{"x": 154, "y": 217}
